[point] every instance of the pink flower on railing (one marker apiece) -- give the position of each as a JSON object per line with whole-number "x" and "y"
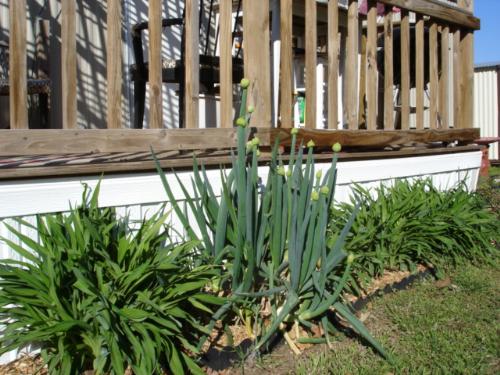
{"x": 363, "y": 8}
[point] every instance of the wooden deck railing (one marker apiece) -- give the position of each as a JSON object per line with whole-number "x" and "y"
{"x": 368, "y": 100}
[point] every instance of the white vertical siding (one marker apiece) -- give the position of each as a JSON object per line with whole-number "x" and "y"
{"x": 486, "y": 105}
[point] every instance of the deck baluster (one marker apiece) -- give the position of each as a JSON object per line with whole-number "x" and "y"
{"x": 68, "y": 64}
{"x": 114, "y": 64}
{"x": 333, "y": 63}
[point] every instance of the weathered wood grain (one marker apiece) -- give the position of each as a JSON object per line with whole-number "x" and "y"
{"x": 388, "y": 72}
{"x": 286, "y": 64}
{"x": 155, "y": 65}
{"x": 405, "y": 70}
{"x": 18, "y": 74}
{"x": 467, "y": 70}
{"x": 257, "y": 59}
{"x": 192, "y": 64}
{"x": 68, "y": 64}
{"x": 433, "y": 76}
{"x": 333, "y": 63}
{"x": 311, "y": 62}
{"x": 362, "y": 78}
{"x": 369, "y": 138}
{"x": 55, "y": 141}
{"x": 371, "y": 66}
{"x": 45, "y": 142}
{"x": 351, "y": 69}
{"x": 419, "y": 71}
{"x": 114, "y": 64}
{"x": 226, "y": 64}
{"x": 457, "y": 78}
{"x": 208, "y": 161}
{"x": 439, "y": 10}
{"x": 444, "y": 79}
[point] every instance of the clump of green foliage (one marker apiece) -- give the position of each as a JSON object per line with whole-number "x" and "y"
{"x": 413, "y": 223}
{"x": 92, "y": 294}
{"x": 270, "y": 240}
{"x": 489, "y": 189}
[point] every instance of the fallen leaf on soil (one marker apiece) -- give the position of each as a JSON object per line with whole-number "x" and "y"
{"x": 444, "y": 283}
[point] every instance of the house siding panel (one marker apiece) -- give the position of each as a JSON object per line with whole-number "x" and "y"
{"x": 486, "y": 104}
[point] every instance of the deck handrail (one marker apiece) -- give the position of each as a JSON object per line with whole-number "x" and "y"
{"x": 364, "y": 106}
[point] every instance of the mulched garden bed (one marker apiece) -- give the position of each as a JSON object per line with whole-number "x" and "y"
{"x": 223, "y": 359}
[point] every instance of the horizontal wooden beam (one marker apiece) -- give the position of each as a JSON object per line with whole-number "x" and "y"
{"x": 368, "y": 138}
{"x": 57, "y": 141}
{"x": 214, "y": 162}
{"x": 439, "y": 10}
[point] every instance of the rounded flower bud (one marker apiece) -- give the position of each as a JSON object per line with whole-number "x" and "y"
{"x": 257, "y": 152}
{"x": 245, "y": 82}
{"x": 350, "y": 258}
{"x": 314, "y": 195}
{"x": 324, "y": 190}
{"x": 336, "y": 147}
{"x": 281, "y": 171}
{"x": 311, "y": 144}
{"x": 294, "y": 131}
{"x": 255, "y": 141}
{"x": 318, "y": 263}
{"x": 241, "y": 122}
{"x": 249, "y": 146}
{"x": 289, "y": 173}
{"x": 319, "y": 174}
{"x": 251, "y": 109}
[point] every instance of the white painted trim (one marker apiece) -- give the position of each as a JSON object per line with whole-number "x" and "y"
{"x": 30, "y": 197}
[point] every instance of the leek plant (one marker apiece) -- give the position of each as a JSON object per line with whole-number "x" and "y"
{"x": 270, "y": 239}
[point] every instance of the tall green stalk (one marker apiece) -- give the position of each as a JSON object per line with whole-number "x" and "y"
{"x": 273, "y": 238}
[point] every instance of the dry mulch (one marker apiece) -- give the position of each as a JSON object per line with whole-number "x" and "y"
{"x": 26, "y": 365}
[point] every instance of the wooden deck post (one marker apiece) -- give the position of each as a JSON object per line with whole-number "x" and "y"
{"x": 226, "y": 64}
{"x": 311, "y": 62}
{"x": 286, "y": 64}
{"x": 444, "y": 80}
{"x": 192, "y": 64}
{"x": 433, "y": 76}
{"x": 257, "y": 60}
{"x": 388, "y": 123}
{"x": 114, "y": 64}
{"x": 18, "y": 98}
{"x": 371, "y": 67}
{"x": 457, "y": 93}
{"x": 467, "y": 71}
{"x": 405, "y": 70}
{"x": 69, "y": 64}
{"x": 419, "y": 70}
{"x": 361, "y": 104}
{"x": 333, "y": 63}
{"x": 155, "y": 65}
{"x": 351, "y": 70}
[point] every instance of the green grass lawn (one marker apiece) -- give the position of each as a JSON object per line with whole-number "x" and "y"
{"x": 430, "y": 328}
